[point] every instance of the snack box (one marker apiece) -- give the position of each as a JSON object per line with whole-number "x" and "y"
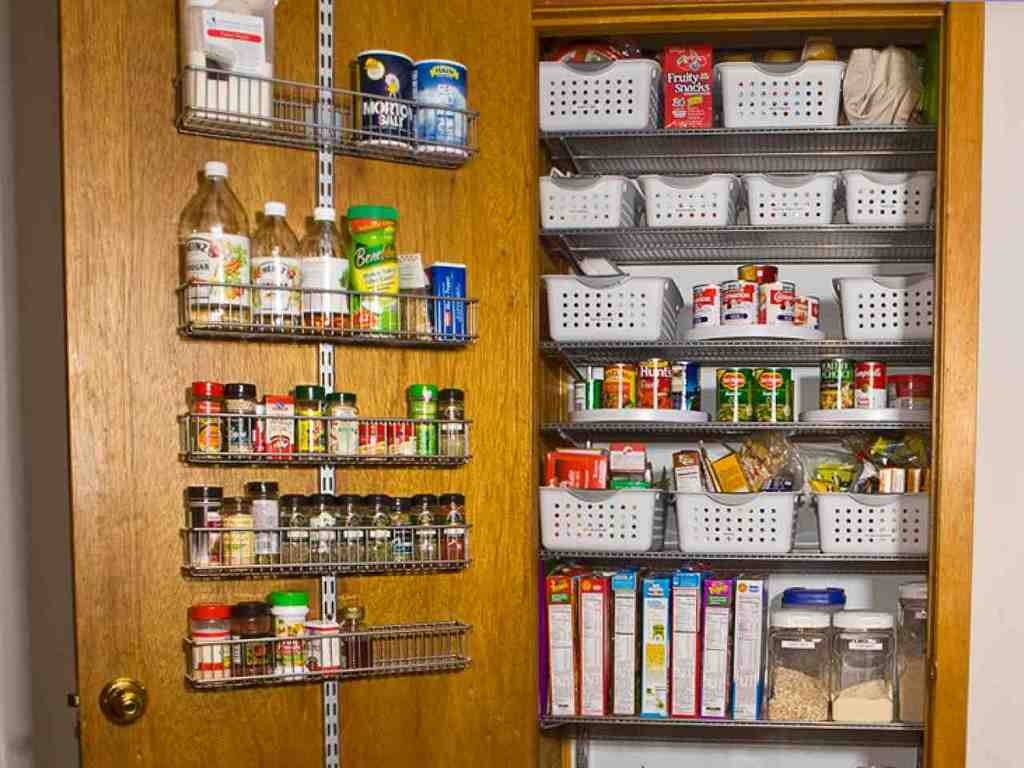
{"x": 686, "y": 616}
{"x": 748, "y": 649}
{"x": 625, "y": 614}
{"x": 595, "y": 623}
{"x": 656, "y": 645}
{"x": 561, "y": 602}
{"x": 686, "y": 471}
{"x": 686, "y": 73}
{"x": 580, "y": 468}
{"x": 717, "y": 646}
{"x": 627, "y": 458}
{"x": 279, "y": 433}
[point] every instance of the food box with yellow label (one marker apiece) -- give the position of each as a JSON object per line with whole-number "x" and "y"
{"x": 656, "y": 645}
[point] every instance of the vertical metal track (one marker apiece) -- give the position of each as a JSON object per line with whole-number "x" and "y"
{"x": 582, "y": 749}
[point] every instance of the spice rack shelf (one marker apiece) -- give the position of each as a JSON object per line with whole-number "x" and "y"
{"x": 306, "y": 116}
{"x": 828, "y": 244}
{"x": 401, "y": 649}
{"x": 579, "y": 433}
{"x": 755, "y": 150}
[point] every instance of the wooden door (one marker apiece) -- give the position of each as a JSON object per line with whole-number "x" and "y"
{"x": 127, "y": 175}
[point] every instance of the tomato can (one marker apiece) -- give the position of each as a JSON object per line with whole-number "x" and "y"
{"x": 773, "y": 394}
{"x": 373, "y": 438}
{"x": 735, "y": 394}
{"x": 869, "y": 385}
{"x": 758, "y": 273}
{"x": 707, "y": 305}
{"x": 739, "y": 302}
{"x": 619, "y": 388}
{"x": 836, "y": 383}
{"x": 685, "y": 386}
{"x": 775, "y": 303}
{"x": 654, "y": 383}
{"x": 807, "y": 312}
{"x": 910, "y": 391}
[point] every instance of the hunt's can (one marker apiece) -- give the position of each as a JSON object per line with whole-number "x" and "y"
{"x": 869, "y": 385}
{"x": 775, "y": 303}
{"x": 707, "y": 305}
{"x": 758, "y": 273}
{"x": 739, "y": 302}
{"x": 773, "y": 394}
{"x": 836, "y": 387}
{"x": 438, "y": 84}
{"x": 807, "y": 312}
{"x": 654, "y": 384}
{"x": 735, "y": 394}
{"x": 619, "y": 389}
{"x": 387, "y": 120}
{"x": 685, "y": 386}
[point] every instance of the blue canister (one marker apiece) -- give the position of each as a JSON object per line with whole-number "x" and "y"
{"x": 685, "y": 388}
{"x": 385, "y": 121}
{"x": 448, "y": 280}
{"x": 438, "y": 84}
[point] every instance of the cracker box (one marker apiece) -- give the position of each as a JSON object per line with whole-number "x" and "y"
{"x": 715, "y": 654}
{"x": 686, "y": 615}
{"x": 687, "y": 78}
{"x": 561, "y": 603}
{"x": 686, "y": 470}
{"x": 595, "y": 643}
{"x": 748, "y": 649}
{"x": 656, "y": 645}
{"x": 624, "y": 667}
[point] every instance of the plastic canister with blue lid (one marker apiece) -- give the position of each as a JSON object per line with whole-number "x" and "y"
{"x": 387, "y": 120}
{"x": 828, "y": 599}
{"x": 441, "y": 91}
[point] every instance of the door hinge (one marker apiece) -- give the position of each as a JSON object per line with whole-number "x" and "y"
{"x": 74, "y": 700}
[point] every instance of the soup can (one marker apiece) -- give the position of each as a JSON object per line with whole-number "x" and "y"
{"x": 836, "y": 383}
{"x": 773, "y": 394}
{"x": 685, "y": 386}
{"x": 388, "y": 120}
{"x": 619, "y": 389}
{"x": 440, "y": 89}
{"x": 869, "y": 385}
{"x": 735, "y": 394}
{"x": 807, "y": 312}
{"x": 707, "y": 305}
{"x": 910, "y": 391}
{"x": 758, "y": 273}
{"x": 739, "y": 302}
{"x": 654, "y": 383}
{"x": 775, "y": 303}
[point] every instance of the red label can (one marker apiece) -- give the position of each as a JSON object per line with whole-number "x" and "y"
{"x": 655, "y": 384}
{"x": 807, "y": 312}
{"x": 707, "y": 305}
{"x": 758, "y": 273}
{"x": 910, "y": 391}
{"x": 775, "y": 303}
{"x": 739, "y": 302}
{"x": 869, "y": 385}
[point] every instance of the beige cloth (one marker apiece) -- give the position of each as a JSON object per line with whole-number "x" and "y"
{"x": 882, "y": 87}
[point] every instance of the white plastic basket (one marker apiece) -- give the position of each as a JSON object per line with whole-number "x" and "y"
{"x": 887, "y": 308}
{"x": 894, "y": 524}
{"x": 735, "y": 523}
{"x": 798, "y": 95}
{"x": 888, "y": 198}
{"x": 615, "y": 308}
{"x": 588, "y": 202}
{"x": 602, "y": 521}
{"x": 790, "y": 201}
{"x": 691, "y": 201}
{"x": 615, "y": 96}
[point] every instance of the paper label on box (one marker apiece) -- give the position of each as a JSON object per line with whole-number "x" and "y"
{"x": 655, "y": 653}
{"x": 865, "y": 645}
{"x": 716, "y": 662}
{"x": 560, "y": 659}
{"x": 592, "y": 653}
{"x": 748, "y": 645}
{"x": 799, "y": 645}
{"x": 684, "y": 673}
{"x": 624, "y": 694}
{"x": 234, "y": 42}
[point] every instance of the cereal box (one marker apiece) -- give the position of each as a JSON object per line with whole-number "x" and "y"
{"x": 686, "y": 605}
{"x": 595, "y": 634}
{"x": 747, "y": 677}
{"x": 656, "y": 645}
{"x": 688, "y": 99}
{"x": 716, "y": 669}
{"x": 560, "y": 597}
{"x": 624, "y": 597}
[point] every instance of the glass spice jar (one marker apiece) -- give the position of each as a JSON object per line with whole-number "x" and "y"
{"x": 322, "y": 516}
{"x": 451, "y": 410}
{"x": 353, "y": 536}
{"x": 239, "y": 538}
{"x": 240, "y": 399}
{"x": 358, "y": 650}
{"x": 295, "y": 543}
{"x": 309, "y": 402}
{"x": 452, "y": 513}
{"x": 401, "y": 530}
{"x": 207, "y": 398}
{"x": 204, "y": 506}
{"x": 343, "y": 429}
{"x": 378, "y": 518}
{"x": 427, "y": 546}
{"x": 252, "y": 621}
{"x": 266, "y": 516}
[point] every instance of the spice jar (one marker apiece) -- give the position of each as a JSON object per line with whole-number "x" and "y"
{"x": 295, "y": 546}
{"x": 266, "y": 516}
{"x": 452, "y": 513}
{"x": 343, "y": 429}
{"x": 290, "y": 611}
{"x": 427, "y": 546}
{"x": 240, "y": 399}
{"x": 911, "y": 660}
{"x": 353, "y": 536}
{"x": 799, "y": 660}
{"x": 862, "y": 667}
{"x": 452, "y": 413}
{"x": 828, "y": 600}
{"x": 207, "y": 398}
{"x": 422, "y": 402}
{"x": 309, "y": 401}
{"x": 251, "y": 621}
{"x": 239, "y": 539}
{"x": 378, "y": 518}
{"x": 322, "y": 517}
{"x": 210, "y": 630}
{"x": 358, "y": 650}
{"x": 401, "y": 530}
{"x": 204, "y": 505}
{"x": 323, "y": 649}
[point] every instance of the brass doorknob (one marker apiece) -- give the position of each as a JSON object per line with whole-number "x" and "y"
{"x": 123, "y": 700}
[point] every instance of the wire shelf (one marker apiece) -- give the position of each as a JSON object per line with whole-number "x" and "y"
{"x": 400, "y": 649}
{"x": 755, "y": 150}
{"x": 274, "y": 313}
{"x": 831, "y": 244}
{"x": 305, "y": 116}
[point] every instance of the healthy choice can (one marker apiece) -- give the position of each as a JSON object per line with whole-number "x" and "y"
{"x": 619, "y": 389}
{"x": 685, "y": 386}
{"x": 836, "y": 388}
{"x": 735, "y": 394}
{"x": 773, "y": 394}
{"x": 654, "y": 384}
{"x": 869, "y": 385}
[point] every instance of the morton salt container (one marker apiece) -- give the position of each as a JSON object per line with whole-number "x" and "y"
{"x": 440, "y": 89}
{"x": 386, "y": 121}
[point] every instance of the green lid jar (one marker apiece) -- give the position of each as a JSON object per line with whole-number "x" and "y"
{"x": 378, "y": 212}
{"x": 422, "y": 396}
{"x": 307, "y": 392}
{"x": 288, "y": 599}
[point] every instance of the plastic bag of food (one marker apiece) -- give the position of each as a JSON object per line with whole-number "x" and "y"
{"x": 771, "y": 463}
{"x": 829, "y": 469}
{"x": 907, "y": 450}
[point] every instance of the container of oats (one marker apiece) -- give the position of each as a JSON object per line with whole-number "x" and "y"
{"x": 799, "y": 660}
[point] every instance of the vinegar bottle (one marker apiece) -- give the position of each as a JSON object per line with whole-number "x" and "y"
{"x": 324, "y": 266}
{"x": 275, "y": 268}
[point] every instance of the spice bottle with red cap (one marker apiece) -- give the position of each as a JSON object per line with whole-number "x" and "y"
{"x": 207, "y": 398}
{"x": 210, "y": 629}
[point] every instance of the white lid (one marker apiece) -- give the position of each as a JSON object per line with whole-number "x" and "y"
{"x": 449, "y": 264}
{"x": 274, "y": 208}
{"x": 322, "y": 625}
{"x": 384, "y": 52}
{"x": 862, "y": 620}
{"x": 217, "y": 169}
{"x": 439, "y": 61}
{"x": 324, "y": 214}
{"x": 917, "y": 590}
{"x": 794, "y": 618}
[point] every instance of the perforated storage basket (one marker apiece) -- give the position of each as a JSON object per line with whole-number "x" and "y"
{"x": 691, "y": 201}
{"x": 894, "y": 524}
{"x": 588, "y": 202}
{"x": 798, "y": 95}
{"x": 888, "y": 198}
{"x": 615, "y": 308}
{"x": 602, "y": 521}
{"x": 615, "y": 96}
{"x": 790, "y": 201}
{"x": 736, "y": 523}
{"x": 887, "y": 308}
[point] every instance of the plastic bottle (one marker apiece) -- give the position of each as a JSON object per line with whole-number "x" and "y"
{"x": 213, "y": 233}
{"x": 324, "y": 266}
{"x": 275, "y": 263}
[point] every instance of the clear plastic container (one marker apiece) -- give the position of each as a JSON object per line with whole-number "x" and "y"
{"x": 424, "y": 516}
{"x": 290, "y": 611}
{"x": 828, "y": 600}
{"x": 377, "y": 509}
{"x": 324, "y": 266}
{"x": 210, "y": 629}
{"x": 322, "y": 514}
{"x": 799, "y": 665}
{"x": 402, "y": 529}
{"x": 863, "y": 666}
{"x": 275, "y": 264}
{"x": 912, "y": 654}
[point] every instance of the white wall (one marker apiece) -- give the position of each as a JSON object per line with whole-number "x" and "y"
{"x": 997, "y": 623}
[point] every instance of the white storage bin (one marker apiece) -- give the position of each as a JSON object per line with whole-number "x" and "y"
{"x": 602, "y": 521}
{"x": 887, "y": 308}
{"x": 894, "y": 524}
{"x": 888, "y": 198}
{"x": 616, "y": 96}
{"x": 615, "y": 308}
{"x": 691, "y": 201}
{"x": 790, "y": 201}
{"x": 588, "y": 202}
{"x": 735, "y": 523}
{"x": 797, "y": 95}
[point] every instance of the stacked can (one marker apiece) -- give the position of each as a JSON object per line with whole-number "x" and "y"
{"x": 835, "y": 389}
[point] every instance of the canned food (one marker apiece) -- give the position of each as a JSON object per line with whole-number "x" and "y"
{"x": 373, "y": 438}
{"x": 775, "y": 303}
{"x": 587, "y": 393}
{"x": 773, "y": 394}
{"x": 910, "y": 391}
{"x": 807, "y": 312}
{"x": 836, "y": 387}
{"x": 869, "y": 385}
{"x": 735, "y": 394}
{"x": 758, "y": 273}
{"x": 707, "y": 305}
{"x": 619, "y": 388}
{"x": 685, "y": 386}
{"x": 655, "y": 384}
{"x": 739, "y": 302}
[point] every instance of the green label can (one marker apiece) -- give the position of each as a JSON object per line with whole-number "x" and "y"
{"x": 773, "y": 394}
{"x": 836, "y": 387}
{"x": 735, "y": 394}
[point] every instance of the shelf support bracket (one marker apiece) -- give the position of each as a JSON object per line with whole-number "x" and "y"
{"x": 582, "y": 748}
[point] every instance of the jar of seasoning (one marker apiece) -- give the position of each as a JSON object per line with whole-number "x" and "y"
{"x": 353, "y": 535}
{"x": 266, "y": 516}
{"x": 378, "y": 518}
{"x": 358, "y": 650}
{"x": 204, "y": 506}
{"x": 863, "y": 646}
{"x": 250, "y": 623}
{"x": 207, "y": 398}
{"x": 427, "y": 545}
{"x": 239, "y": 538}
{"x": 323, "y": 538}
{"x": 240, "y": 399}
{"x": 452, "y": 514}
{"x": 799, "y": 663}
{"x": 422, "y": 402}
{"x": 401, "y": 530}
{"x": 295, "y": 546}
{"x": 210, "y": 630}
{"x": 343, "y": 429}
{"x": 452, "y": 413}
{"x": 323, "y": 649}
{"x": 310, "y": 432}
{"x": 911, "y": 661}
{"x": 290, "y": 611}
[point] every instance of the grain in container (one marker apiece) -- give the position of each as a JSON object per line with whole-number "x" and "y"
{"x": 863, "y": 666}
{"x": 911, "y": 661}
{"x": 799, "y": 664}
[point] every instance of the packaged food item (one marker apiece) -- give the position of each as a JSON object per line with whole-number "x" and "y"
{"x": 688, "y": 98}
{"x": 770, "y": 463}
{"x": 628, "y": 482}
{"x": 207, "y": 398}
{"x": 892, "y": 480}
{"x": 686, "y": 630}
{"x": 758, "y": 273}
{"x": 882, "y": 87}
{"x": 819, "y": 49}
{"x": 686, "y": 471}
{"x": 707, "y": 305}
{"x": 324, "y": 268}
{"x": 595, "y": 643}
{"x": 828, "y": 470}
{"x": 725, "y": 469}
{"x": 619, "y": 388}
{"x": 807, "y": 312}
{"x": 580, "y": 468}
{"x": 279, "y": 433}
{"x": 310, "y": 432}
{"x": 656, "y": 645}
{"x": 739, "y": 302}
{"x": 780, "y": 56}
{"x": 448, "y": 281}
{"x": 773, "y": 394}
{"x": 624, "y": 668}
{"x": 594, "y": 52}
{"x": 685, "y": 386}
{"x": 655, "y": 384}
{"x": 836, "y": 383}
{"x": 869, "y": 385}
{"x": 439, "y": 87}
{"x": 588, "y": 394}
{"x": 373, "y": 267}
{"x": 421, "y": 403}
{"x": 916, "y": 479}
{"x": 388, "y": 119}
{"x": 627, "y": 458}
{"x": 735, "y": 394}
{"x": 561, "y": 598}
{"x": 275, "y": 264}
{"x": 717, "y": 648}
{"x": 747, "y": 674}
{"x": 910, "y": 391}
{"x": 776, "y": 303}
